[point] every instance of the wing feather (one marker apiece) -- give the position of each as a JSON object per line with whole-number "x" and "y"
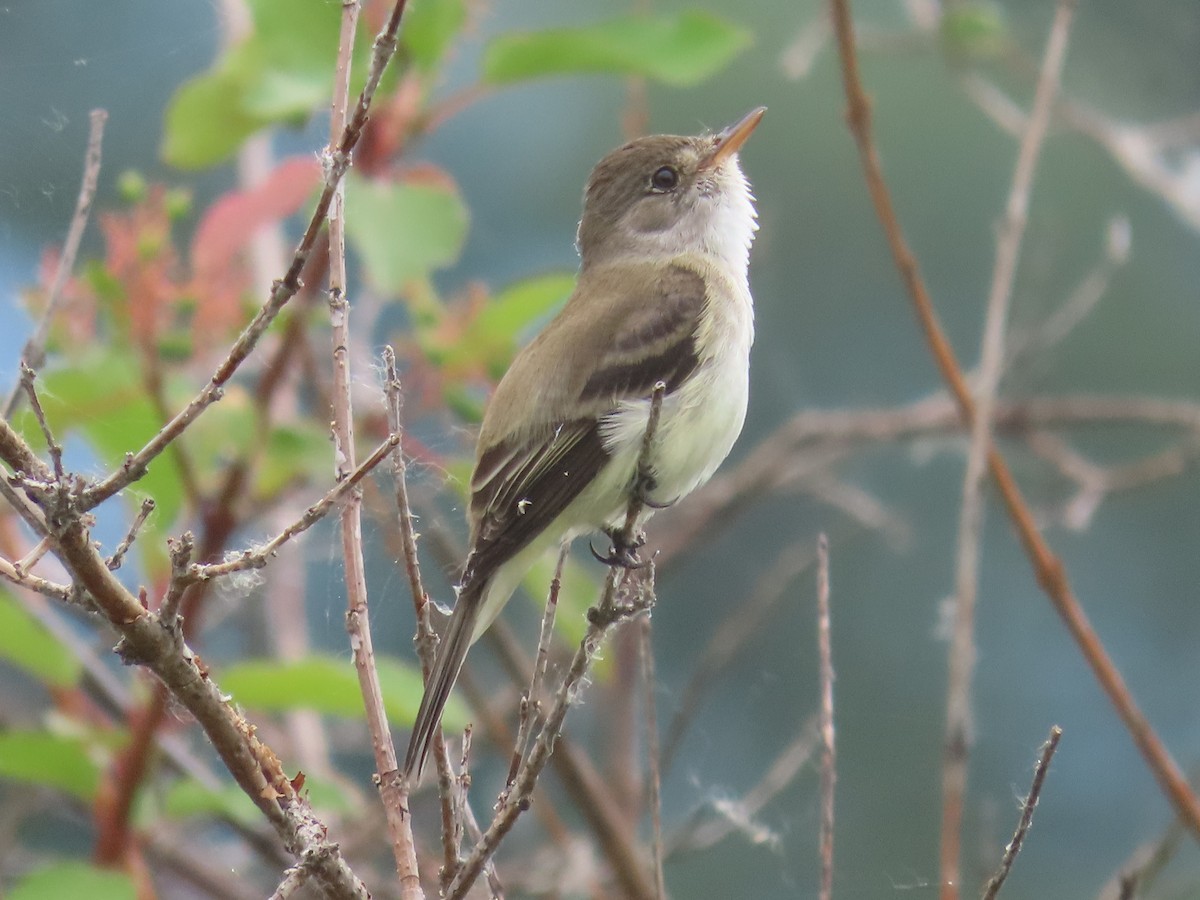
{"x": 525, "y": 477}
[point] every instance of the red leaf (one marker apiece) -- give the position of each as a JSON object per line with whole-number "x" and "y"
{"x": 226, "y": 230}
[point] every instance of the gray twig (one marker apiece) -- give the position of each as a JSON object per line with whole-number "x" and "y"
{"x": 28, "y": 376}
{"x": 181, "y": 557}
{"x": 654, "y": 770}
{"x": 114, "y": 561}
{"x": 258, "y": 558}
{"x": 338, "y": 161}
{"x": 425, "y": 638}
{"x": 738, "y": 815}
{"x": 531, "y": 702}
{"x": 33, "y": 354}
{"x": 957, "y": 739}
{"x": 828, "y": 754}
{"x": 1027, "y": 808}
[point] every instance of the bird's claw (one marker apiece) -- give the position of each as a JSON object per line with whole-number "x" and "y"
{"x": 643, "y": 487}
{"x": 623, "y": 554}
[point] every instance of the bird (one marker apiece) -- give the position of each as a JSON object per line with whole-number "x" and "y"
{"x": 662, "y": 298}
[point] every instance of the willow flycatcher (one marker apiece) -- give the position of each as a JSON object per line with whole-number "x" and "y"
{"x": 662, "y": 296}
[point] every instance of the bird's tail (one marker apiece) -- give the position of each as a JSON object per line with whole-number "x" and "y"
{"x": 451, "y": 652}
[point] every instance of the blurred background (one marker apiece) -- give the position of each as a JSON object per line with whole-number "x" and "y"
{"x": 1115, "y": 212}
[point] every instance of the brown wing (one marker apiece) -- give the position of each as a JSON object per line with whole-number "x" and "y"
{"x": 524, "y": 479}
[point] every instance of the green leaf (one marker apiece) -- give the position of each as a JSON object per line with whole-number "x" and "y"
{"x": 26, "y": 644}
{"x": 491, "y": 338}
{"x": 296, "y": 46}
{"x": 429, "y": 27}
{"x": 186, "y": 798}
{"x": 73, "y": 879}
{"x": 679, "y": 50}
{"x": 206, "y": 120}
{"x": 103, "y": 397}
{"x": 975, "y": 30}
{"x": 38, "y": 757}
{"x": 579, "y": 591}
{"x": 281, "y": 73}
{"x": 294, "y": 453}
{"x": 403, "y": 231}
{"x": 330, "y": 686}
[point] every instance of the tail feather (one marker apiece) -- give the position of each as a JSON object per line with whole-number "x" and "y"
{"x": 451, "y": 653}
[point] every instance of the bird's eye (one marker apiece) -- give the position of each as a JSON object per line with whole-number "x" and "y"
{"x": 664, "y": 178}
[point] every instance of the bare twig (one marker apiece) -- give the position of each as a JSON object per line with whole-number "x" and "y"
{"x": 602, "y": 618}
{"x": 654, "y": 773}
{"x": 260, "y": 556}
{"x": 146, "y": 642}
{"x": 358, "y": 626}
{"x": 462, "y": 791}
{"x": 731, "y": 636}
{"x": 738, "y": 815}
{"x": 118, "y": 556}
{"x": 489, "y": 871}
{"x": 33, "y": 354}
{"x": 991, "y": 366}
{"x": 26, "y": 384}
{"x": 1096, "y": 482}
{"x": 281, "y": 291}
{"x": 27, "y": 562}
{"x": 293, "y": 880}
{"x": 828, "y": 754}
{"x": 1027, "y": 808}
{"x": 531, "y": 702}
{"x": 425, "y": 638}
{"x": 1139, "y": 871}
{"x": 19, "y": 576}
{"x": 1048, "y": 568}
{"x": 408, "y": 534}
{"x": 1081, "y": 301}
{"x": 181, "y": 557}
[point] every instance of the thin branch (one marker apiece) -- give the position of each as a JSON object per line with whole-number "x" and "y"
{"x": 1048, "y": 568}
{"x": 26, "y": 384}
{"x": 181, "y": 549}
{"x": 118, "y": 556}
{"x": 584, "y": 784}
{"x": 162, "y": 650}
{"x": 602, "y": 618}
{"x": 531, "y": 701}
{"x": 654, "y": 770}
{"x": 358, "y": 625}
{"x": 19, "y": 576}
{"x": 828, "y": 752}
{"x": 33, "y": 354}
{"x": 1095, "y": 482}
{"x": 743, "y": 621}
{"x": 259, "y": 557}
{"x": 408, "y": 534}
{"x": 1140, "y": 870}
{"x": 293, "y": 880}
{"x": 281, "y": 291}
{"x": 737, "y": 815}
{"x": 1081, "y": 301}
{"x": 425, "y": 638}
{"x": 1027, "y": 808}
{"x": 957, "y": 739}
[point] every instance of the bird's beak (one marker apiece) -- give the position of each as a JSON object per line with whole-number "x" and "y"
{"x": 731, "y": 139}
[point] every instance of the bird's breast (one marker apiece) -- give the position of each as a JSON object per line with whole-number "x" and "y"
{"x": 698, "y": 424}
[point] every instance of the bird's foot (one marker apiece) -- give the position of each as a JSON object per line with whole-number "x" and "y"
{"x": 643, "y": 486}
{"x": 623, "y": 553}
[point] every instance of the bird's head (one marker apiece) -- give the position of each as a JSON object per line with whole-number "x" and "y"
{"x": 668, "y": 194}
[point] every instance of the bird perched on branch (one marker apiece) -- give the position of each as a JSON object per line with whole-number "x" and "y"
{"x": 662, "y": 297}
